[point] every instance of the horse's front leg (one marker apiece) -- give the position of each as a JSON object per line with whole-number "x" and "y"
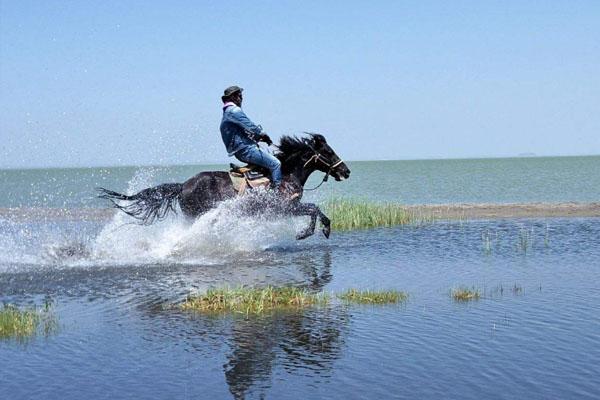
{"x": 315, "y": 212}
{"x": 310, "y": 210}
{"x": 326, "y": 222}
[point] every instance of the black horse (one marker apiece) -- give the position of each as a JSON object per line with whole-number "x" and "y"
{"x": 299, "y": 157}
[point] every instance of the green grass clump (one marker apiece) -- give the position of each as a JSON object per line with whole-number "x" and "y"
{"x": 349, "y": 214}
{"x": 373, "y": 297}
{"x": 253, "y": 301}
{"x": 466, "y": 294}
{"x": 21, "y": 324}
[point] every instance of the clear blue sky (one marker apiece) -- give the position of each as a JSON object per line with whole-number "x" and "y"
{"x": 87, "y": 83}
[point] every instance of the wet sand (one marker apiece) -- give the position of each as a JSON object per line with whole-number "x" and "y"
{"x": 495, "y": 211}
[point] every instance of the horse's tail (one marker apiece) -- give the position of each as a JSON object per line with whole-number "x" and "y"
{"x": 148, "y": 205}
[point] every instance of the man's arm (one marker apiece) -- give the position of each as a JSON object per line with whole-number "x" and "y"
{"x": 238, "y": 117}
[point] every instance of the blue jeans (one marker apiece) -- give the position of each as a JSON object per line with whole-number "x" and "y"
{"x": 257, "y": 156}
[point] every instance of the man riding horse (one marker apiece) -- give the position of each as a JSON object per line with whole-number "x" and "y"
{"x": 241, "y": 136}
{"x": 294, "y": 161}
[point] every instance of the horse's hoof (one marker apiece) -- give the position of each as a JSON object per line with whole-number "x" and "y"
{"x": 327, "y": 231}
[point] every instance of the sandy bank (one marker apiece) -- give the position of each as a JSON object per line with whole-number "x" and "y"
{"x": 493, "y": 211}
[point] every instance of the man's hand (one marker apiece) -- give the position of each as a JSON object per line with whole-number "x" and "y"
{"x": 265, "y": 138}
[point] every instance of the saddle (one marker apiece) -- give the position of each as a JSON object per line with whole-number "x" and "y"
{"x": 248, "y": 177}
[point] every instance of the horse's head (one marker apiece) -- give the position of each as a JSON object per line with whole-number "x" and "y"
{"x": 325, "y": 159}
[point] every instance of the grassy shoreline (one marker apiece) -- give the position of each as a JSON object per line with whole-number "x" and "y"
{"x": 352, "y": 214}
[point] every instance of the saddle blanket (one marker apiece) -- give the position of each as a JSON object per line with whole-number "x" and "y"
{"x": 247, "y": 180}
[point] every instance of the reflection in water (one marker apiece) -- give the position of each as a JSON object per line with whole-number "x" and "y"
{"x": 304, "y": 340}
{"x": 310, "y": 341}
{"x": 317, "y": 275}
{"x": 307, "y": 339}
{"x": 254, "y": 352}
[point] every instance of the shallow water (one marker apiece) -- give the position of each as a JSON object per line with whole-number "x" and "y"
{"x": 110, "y": 285}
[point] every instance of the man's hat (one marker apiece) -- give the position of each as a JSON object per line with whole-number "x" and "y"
{"x": 231, "y": 90}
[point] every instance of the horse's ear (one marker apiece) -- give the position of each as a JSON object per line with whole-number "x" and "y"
{"x": 319, "y": 139}
{"x": 316, "y": 138}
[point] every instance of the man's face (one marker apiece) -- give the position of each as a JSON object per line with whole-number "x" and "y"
{"x": 237, "y": 99}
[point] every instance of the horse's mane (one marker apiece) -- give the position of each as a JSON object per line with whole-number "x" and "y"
{"x": 291, "y": 147}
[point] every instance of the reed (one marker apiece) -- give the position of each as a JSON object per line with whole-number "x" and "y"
{"x": 373, "y": 297}
{"x": 466, "y": 294}
{"x": 252, "y": 300}
{"x": 349, "y": 214}
{"x": 525, "y": 242}
{"x": 21, "y": 324}
{"x": 517, "y": 289}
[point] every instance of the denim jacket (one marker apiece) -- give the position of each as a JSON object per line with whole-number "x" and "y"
{"x": 237, "y": 131}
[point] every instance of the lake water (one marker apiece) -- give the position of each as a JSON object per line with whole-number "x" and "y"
{"x": 502, "y": 180}
{"x": 534, "y": 334}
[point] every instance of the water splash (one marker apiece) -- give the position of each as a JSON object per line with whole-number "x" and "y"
{"x": 220, "y": 235}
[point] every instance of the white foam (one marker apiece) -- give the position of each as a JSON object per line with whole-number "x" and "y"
{"x": 220, "y": 234}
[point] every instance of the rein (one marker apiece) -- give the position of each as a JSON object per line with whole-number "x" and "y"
{"x": 318, "y": 157}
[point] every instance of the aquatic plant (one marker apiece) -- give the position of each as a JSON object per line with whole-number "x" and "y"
{"x": 517, "y": 289}
{"x": 487, "y": 242}
{"x": 20, "y": 324}
{"x": 373, "y": 297}
{"x": 466, "y": 294}
{"x": 525, "y": 239}
{"x": 259, "y": 300}
{"x": 348, "y": 214}
{"x": 253, "y": 300}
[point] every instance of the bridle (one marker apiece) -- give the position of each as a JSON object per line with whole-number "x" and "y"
{"x": 319, "y": 157}
{"x": 330, "y": 166}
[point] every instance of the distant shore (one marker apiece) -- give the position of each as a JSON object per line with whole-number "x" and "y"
{"x": 516, "y": 210}
{"x": 429, "y": 211}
